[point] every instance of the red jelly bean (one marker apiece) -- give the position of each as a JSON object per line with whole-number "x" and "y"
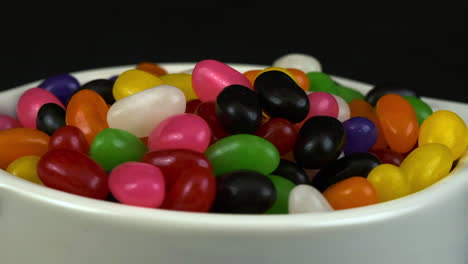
{"x": 280, "y": 132}
{"x": 388, "y": 156}
{"x": 192, "y": 105}
{"x": 173, "y": 162}
{"x": 207, "y": 111}
{"x": 73, "y": 172}
{"x": 194, "y": 191}
{"x": 69, "y": 137}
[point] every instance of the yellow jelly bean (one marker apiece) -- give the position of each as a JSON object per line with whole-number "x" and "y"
{"x": 279, "y": 69}
{"x": 26, "y": 168}
{"x": 183, "y": 81}
{"x": 426, "y": 165}
{"x": 134, "y": 81}
{"x": 389, "y": 181}
{"x": 447, "y": 128}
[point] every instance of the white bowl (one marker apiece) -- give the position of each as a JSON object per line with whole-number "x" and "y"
{"x": 42, "y": 225}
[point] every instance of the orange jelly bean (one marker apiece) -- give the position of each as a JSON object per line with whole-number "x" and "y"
{"x": 152, "y": 68}
{"x": 301, "y": 78}
{"x": 87, "y": 111}
{"x": 251, "y": 75}
{"x": 350, "y": 193}
{"x": 399, "y": 122}
{"x": 19, "y": 142}
{"x": 360, "y": 107}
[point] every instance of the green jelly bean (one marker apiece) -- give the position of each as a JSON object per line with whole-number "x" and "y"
{"x": 112, "y": 147}
{"x": 283, "y": 188}
{"x": 422, "y": 109}
{"x": 322, "y": 82}
{"x": 243, "y": 152}
{"x": 348, "y": 94}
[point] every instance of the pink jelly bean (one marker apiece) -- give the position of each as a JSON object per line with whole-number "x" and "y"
{"x": 210, "y": 77}
{"x": 137, "y": 183}
{"x": 182, "y": 131}
{"x": 7, "y": 122}
{"x": 29, "y": 104}
{"x": 322, "y": 103}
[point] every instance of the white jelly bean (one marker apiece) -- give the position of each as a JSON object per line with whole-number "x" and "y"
{"x": 306, "y": 199}
{"x": 343, "y": 109}
{"x": 300, "y": 61}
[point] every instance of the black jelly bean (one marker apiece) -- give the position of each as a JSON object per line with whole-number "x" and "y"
{"x": 238, "y": 110}
{"x": 244, "y": 192}
{"x": 101, "y": 86}
{"x": 50, "y": 118}
{"x": 280, "y": 96}
{"x": 382, "y": 89}
{"x": 291, "y": 171}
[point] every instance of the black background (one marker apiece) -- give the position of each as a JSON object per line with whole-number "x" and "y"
{"x": 423, "y": 48}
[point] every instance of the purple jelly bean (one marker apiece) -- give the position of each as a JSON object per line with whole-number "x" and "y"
{"x": 114, "y": 77}
{"x": 61, "y": 85}
{"x": 361, "y": 135}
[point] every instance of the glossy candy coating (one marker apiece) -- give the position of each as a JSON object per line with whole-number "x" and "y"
{"x": 348, "y": 94}
{"x": 61, "y": 85}
{"x": 134, "y": 81}
{"x": 87, "y": 111}
{"x": 398, "y": 121}
{"x": 447, "y": 128}
{"x": 301, "y": 78}
{"x": 422, "y": 109}
{"x": 69, "y": 137}
{"x": 361, "y": 135}
{"x": 301, "y": 61}
{"x": 350, "y": 193}
{"x": 244, "y": 192}
{"x": 140, "y": 113}
{"x": 181, "y": 131}
{"x": 322, "y": 103}
{"x": 137, "y": 183}
{"x": 320, "y": 81}
{"x": 73, "y": 172}
{"x": 238, "y": 109}
{"x": 388, "y": 156}
{"x": 291, "y": 171}
{"x": 50, "y": 118}
{"x": 280, "y": 132}
{"x": 344, "y": 113}
{"x": 207, "y": 111}
{"x": 19, "y": 142}
{"x": 243, "y": 152}
{"x": 319, "y": 142}
{"x": 7, "y": 122}
{"x": 355, "y": 164}
{"x": 103, "y": 87}
{"x": 25, "y": 168}
{"x": 389, "y": 181}
{"x": 284, "y": 70}
{"x": 112, "y": 147}
{"x": 283, "y": 188}
{"x": 153, "y": 68}
{"x": 251, "y": 75}
{"x": 210, "y": 77}
{"x": 183, "y": 81}
{"x": 380, "y": 90}
{"x": 304, "y": 198}
{"x": 360, "y": 107}
{"x": 191, "y": 106}
{"x": 29, "y": 104}
{"x": 280, "y": 96}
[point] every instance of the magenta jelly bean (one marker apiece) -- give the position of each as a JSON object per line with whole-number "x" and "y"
{"x": 29, "y": 104}
{"x": 322, "y": 103}
{"x": 8, "y": 122}
{"x": 137, "y": 183}
{"x": 210, "y": 77}
{"x": 61, "y": 85}
{"x": 182, "y": 131}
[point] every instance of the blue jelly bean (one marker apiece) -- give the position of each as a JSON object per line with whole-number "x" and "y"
{"x": 361, "y": 134}
{"x": 61, "y": 85}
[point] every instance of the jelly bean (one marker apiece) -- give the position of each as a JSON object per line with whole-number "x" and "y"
{"x": 153, "y": 68}
{"x": 87, "y": 111}
{"x": 383, "y": 89}
{"x": 284, "y": 70}
{"x": 291, "y": 171}
{"x": 7, "y": 122}
{"x": 361, "y": 135}
{"x": 182, "y": 131}
{"x": 281, "y": 97}
{"x": 322, "y": 103}
{"x": 306, "y": 199}
{"x": 422, "y": 109}
{"x": 194, "y": 191}
{"x": 19, "y": 142}
{"x": 319, "y": 142}
{"x": 73, "y": 172}
{"x": 351, "y": 193}
{"x": 50, "y": 118}
{"x": 183, "y": 81}
{"x": 138, "y": 115}
{"x": 283, "y": 188}
{"x": 348, "y": 94}
{"x": 320, "y": 81}
{"x": 29, "y": 104}
{"x": 133, "y": 81}
{"x": 243, "y": 152}
{"x": 251, "y": 75}
{"x": 301, "y": 78}
{"x": 207, "y": 111}
{"x": 244, "y": 192}
{"x": 238, "y": 110}
{"x": 25, "y": 168}
{"x": 61, "y": 85}
{"x": 303, "y": 62}
{"x": 112, "y": 147}
{"x": 362, "y": 108}
{"x": 69, "y": 137}
{"x": 280, "y": 132}
{"x": 209, "y": 78}
{"x": 191, "y": 106}
{"x": 173, "y": 163}
{"x": 113, "y": 78}
{"x": 103, "y": 87}
{"x": 389, "y": 182}
{"x": 447, "y": 128}
{"x": 137, "y": 183}
{"x": 344, "y": 113}
{"x": 388, "y": 156}
{"x": 355, "y": 164}
{"x": 398, "y": 121}
{"x": 426, "y": 165}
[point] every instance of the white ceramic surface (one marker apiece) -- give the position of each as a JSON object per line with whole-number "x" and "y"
{"x": 41, "y": 225}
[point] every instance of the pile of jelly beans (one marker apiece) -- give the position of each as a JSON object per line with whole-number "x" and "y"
{"x": 276, "y": 140}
